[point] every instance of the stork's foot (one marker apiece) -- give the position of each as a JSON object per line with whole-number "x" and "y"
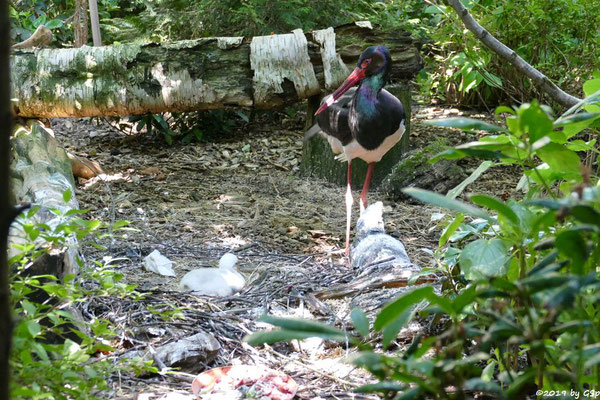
{"x": 363, "y": 203}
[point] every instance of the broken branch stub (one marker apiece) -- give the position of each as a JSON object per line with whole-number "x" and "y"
{"x": 276, "y": 58}
{"x": 333, "y": 67}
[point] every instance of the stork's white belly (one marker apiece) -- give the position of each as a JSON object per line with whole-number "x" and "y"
{"x": 354, "y": 150}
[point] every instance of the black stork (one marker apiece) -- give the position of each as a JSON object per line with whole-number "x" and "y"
{"x": 363, "y": 122}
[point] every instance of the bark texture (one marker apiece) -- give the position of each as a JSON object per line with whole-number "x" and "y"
{"x": 512, "y": 57}
{"x": 278, "y": 57}
{"x": 80, "y": 23}
{"x": 94, "y": 18}
{"x": 190, "y": 75}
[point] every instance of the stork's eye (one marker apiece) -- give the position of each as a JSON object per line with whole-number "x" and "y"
{"x": 365, "y": 63}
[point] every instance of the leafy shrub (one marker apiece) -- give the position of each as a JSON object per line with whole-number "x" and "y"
{"x": 53, "y": 355}
{"x": 560, "y": 38}
{"x": 519, "y": 278}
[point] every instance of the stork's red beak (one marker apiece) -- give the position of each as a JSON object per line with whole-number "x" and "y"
{"x": 350, "y": 81}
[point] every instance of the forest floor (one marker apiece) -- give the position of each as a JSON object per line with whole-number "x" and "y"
{"x": 242, "y": 192}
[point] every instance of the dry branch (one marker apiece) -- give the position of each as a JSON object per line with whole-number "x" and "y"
{"x": 368, "y": 284}
{"x": 191, "y": 75}
{"x": 512, "y": 57}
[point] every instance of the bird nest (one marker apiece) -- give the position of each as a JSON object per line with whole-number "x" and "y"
{"x": 278, "y": 284}
{"x": 240, "y": 193}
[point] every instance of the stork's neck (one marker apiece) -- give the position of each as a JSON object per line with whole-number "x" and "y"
{"x": 366, "y": 96}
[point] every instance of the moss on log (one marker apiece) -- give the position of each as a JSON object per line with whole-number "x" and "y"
{"x": 415, "y": 171}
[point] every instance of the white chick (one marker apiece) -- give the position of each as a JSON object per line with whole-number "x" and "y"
{"x": 221, "y": 282}
{"x": 372, "y": 244}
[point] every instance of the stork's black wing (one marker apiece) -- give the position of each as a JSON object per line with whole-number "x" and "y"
{"x": 334, "y": 120}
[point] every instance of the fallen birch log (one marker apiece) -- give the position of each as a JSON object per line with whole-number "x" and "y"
{"x": 262, "y": 72}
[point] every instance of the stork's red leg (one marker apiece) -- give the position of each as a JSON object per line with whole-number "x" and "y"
{"x": 349, "y": 202}
{"x": 363, "y": 194}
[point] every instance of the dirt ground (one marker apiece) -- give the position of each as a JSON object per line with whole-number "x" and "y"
{"x": 240, "y": 192}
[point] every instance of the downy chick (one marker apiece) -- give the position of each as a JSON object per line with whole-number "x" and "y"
{"x": 221, "y": 282}
{"x": 372, "y": 244}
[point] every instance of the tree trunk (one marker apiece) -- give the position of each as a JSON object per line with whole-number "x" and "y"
{"x": 545, "y": 84}
{"x": 191, "y": 75}
{"x": 96, "y": 37}
{"x": 80, "y": 23}
{"x": 6, "y": 121}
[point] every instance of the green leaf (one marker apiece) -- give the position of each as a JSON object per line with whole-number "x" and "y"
{"x": 29, "y": 307}
{"x": 592, "y": 361}
{"x": 458, "y": 189}
{"x": 534, "y": 120}
{"x": 295, "y": 329}
{"x": 480, "y": 385}
{"x": 120, "y": 224}
{"x": 559, "y": 158}
{"x": 390, "y": 332}
{"x": 450, "y": 229}
{"x": 361, "y": 322}
{"x": 282, "y": 335}
{"x": 538, "y": 282}
{"x": 580, "y": 145}
{"x": 484, "y": 258}
{"x": 458, "y": 153}
{"x": 67, "y": 194}
{"x": 573, "y": 124}
{"x": 586, "y": 214}
{"x": 34, "y": 328}
{"x": 465, "y": 298}
{"x": 571, "y": 244}
{"x": 302, "y": 325}
{"x": 497, "y": 205}
{"x": 488, "y": 372}
{"x": 435, "y": 9}
{"x": 75, "y": 211}
{"x": 436, "y": 199}
{"x": 466, "y": 124}
{"x": 385, "y": 386}
{"x": 543, "y": 263}
{"x": 53, "y": 24}
{"x": 590, "y": 87}
{"x": 396, "y": 308}
{"x": 504, "y": 109}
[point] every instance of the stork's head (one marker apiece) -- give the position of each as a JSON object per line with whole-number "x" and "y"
{"x": 374, "y": 61}
{"x": 228, "y": 261}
